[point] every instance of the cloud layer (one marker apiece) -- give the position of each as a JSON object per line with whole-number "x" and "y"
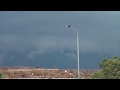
{"x": 41, "y": 32}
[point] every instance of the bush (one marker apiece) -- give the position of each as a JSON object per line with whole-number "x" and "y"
{"x": 98, "y": 75}
{"x": 1, "y": 76}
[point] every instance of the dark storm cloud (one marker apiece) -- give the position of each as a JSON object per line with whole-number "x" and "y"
{"x": 44, "y": 31}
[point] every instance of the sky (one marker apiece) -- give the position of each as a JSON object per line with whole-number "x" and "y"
{"x": 41, "y": 36}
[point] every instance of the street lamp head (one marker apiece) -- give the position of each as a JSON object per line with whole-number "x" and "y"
{"x": 68, "y": 26}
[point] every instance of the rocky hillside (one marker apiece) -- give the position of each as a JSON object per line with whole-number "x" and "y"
{"x": 31, "y": 72}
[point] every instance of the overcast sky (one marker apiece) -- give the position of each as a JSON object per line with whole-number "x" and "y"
{"x": 41, "y": 32}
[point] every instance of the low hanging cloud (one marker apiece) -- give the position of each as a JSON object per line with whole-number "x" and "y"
{"x": 38, "y": 33}
{"x": 47, "y": 44}
{"x": 72, "y": 55}
{"x": 32, "y": 54}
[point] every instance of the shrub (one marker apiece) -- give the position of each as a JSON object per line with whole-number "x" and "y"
{"x": 1, "y": 76}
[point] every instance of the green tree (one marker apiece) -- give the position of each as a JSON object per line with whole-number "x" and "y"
{"x": 110, "y": 69}
{"x": 1, "y": 75}
{"x": 98, "y": 75}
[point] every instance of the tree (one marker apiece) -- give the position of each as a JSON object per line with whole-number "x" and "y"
{"x": 110, "y": 69}
{"x": 1, "y": 75}
{"x": 98, "y": 75}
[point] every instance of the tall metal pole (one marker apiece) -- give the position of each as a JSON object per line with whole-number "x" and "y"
{"x": 78, "y": 54}
{"x": 69, "y": 26}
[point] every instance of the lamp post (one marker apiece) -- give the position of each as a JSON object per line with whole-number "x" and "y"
{"x": 69, "y": 26}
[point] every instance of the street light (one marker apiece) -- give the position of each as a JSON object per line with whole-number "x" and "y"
{"x": 69, "y": 26}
